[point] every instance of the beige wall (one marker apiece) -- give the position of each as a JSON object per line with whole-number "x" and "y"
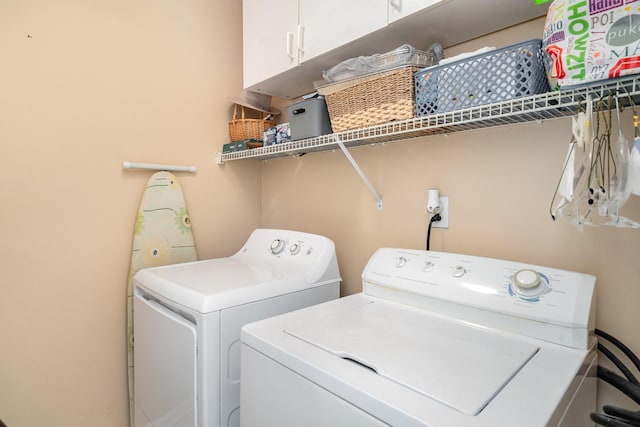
{"x": 85, "y": 86}
{"x": 499, "y": 181}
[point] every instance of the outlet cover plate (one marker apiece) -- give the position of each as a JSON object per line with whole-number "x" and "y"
{"x": 444, "y": 213}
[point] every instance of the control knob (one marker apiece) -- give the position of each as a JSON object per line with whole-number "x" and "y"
{"x": 401, "y": 261}
{"x": 458, "y": 271}
{"x": 277, "y": 246}
{"x": 295, "y": 248}
{"x": 526, "y": 279}
{"x": 427, "y": 266}
{"x": 529, "y": 285}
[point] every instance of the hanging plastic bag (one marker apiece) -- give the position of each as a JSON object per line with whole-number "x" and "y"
{"x": 619, "y": 185}
{"x": 634, "y": 167}
{"x": 573, "y": 182}
{"x": 573, "y": 204}
{"x": 618, "y": 179}
{"x": 571, "y": 175}
{"x": 595, "y": 181}
{"x": 573, "y": 169}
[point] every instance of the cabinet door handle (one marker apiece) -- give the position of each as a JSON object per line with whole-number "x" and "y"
{"x": 299, "y": 111}
{"x": 396, "y": 4}
{"x": 290, "y": 44}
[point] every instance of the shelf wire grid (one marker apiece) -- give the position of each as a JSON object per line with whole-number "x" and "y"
{"x": 534, "y": 108}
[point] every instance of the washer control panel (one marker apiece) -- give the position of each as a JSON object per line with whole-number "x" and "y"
{"x": 515, "y": 289}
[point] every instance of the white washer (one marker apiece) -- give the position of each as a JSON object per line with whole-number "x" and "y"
{"x": 435, "y": 339}
{"x": 187, "y": 320}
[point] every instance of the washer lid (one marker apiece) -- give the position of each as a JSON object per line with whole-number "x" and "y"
{"x": 459, "y": 365}
{"x": 215, "y": 284}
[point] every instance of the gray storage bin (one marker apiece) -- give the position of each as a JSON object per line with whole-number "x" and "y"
{"x": 309, "y": 118}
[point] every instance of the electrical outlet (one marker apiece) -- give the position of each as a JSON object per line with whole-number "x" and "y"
{"x": 444, "y": 213}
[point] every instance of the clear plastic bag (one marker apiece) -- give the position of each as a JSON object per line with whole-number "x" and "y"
{"x": 352, "y": 67}
{"x": 405, "y": 55}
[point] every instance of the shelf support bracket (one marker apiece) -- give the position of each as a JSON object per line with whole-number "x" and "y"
{"x": 359, "y": 170}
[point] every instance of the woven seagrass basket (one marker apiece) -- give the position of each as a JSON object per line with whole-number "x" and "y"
{"x": 243, "y": 128}
{"x": 371, "y": 100}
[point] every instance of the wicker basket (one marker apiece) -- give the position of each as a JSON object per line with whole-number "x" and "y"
{"x": 243, "y": 128}
{"x": 371, "y": 100}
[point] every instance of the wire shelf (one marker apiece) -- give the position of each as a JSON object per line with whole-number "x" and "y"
{"x": 535, "y": 108}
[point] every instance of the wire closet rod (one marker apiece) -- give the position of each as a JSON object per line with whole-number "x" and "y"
{"x": 159, "y": 167}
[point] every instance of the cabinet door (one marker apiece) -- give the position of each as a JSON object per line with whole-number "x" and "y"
{"x": 401, "y": 8}
{"x": 328, "y": 24}
{"x": 270, "y": 31}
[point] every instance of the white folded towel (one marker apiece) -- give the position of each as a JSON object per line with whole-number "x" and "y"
{"x": 466, "y": 55}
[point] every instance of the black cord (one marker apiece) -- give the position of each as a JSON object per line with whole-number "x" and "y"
{"x": 607, "y": 421}
{"x": 433, "y": 219}
{"x": 621, "y": 383}
{"x": 626, "y": 350}
{"x": 629, "y": 416}
{"x": 616, "y": 361}
{"x": 618, "y": 417}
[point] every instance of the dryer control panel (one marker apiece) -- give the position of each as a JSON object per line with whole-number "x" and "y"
{"x": 272, "y": 262}
{"x": 556, "y": 305}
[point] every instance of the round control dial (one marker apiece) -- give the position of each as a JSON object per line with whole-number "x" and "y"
{"x": 458, "y": 271}
{"x": 401, "y": 262}
{"x": 294, "y": 249}
{"x": 427, "y": 266}
{"x": 529, "y": 285}
{"x": 277, "y": 246}
{"x": 526, "y": 279}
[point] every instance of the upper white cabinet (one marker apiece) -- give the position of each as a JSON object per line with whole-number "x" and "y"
{"x": 270, "y": 44}
{"x": 328, "y": 24}
{"x": 288, "y": 43}
{"x": 280, "y": 35}
{"x": 402, "y": 8}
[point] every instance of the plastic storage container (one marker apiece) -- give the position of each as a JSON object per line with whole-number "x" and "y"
{"x": 499, "y": 75}
{"x": 309, "y": 118}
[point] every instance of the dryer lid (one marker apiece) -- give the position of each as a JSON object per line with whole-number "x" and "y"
{"x": 215, "y": 284}
{"x": 457, "y": 364}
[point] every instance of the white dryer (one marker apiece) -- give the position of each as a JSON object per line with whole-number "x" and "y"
{"x": 435, "y": 339}
{"x": 187, "y": 320}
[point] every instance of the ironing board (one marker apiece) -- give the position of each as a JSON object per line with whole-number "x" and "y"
{"x": 162, "y": 235}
